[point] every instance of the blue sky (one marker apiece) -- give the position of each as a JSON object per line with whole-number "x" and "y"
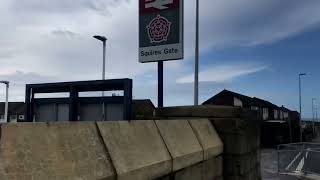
{"x": 257, "y": 48}
{"x": 283, "y": 60}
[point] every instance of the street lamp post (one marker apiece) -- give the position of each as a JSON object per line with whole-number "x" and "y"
{"x": 7, "y": 100}
{"x": 301, "y": 74}
{"x": 196, "y": 71}
{"x": 313, "y": 116}
{"x": 313, "y": 112}
{"x": 104, "y": 40}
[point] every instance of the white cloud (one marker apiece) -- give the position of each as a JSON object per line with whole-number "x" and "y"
{"x": 250, "y": 22}
{"x": 223, "y": 73}
{"x": 18, "y": 80}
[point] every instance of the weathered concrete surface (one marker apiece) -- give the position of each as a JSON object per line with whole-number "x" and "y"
{"x": 238, "y": 129}
{"x": 43, "y": 151}
{"x": 2, "y": 172}
{"x": 208, "y": 137}
{"x": 240, "y": 165}
{"x": 207, "y": 170}
{"x": 199, "y": 111}
{"x": 181, "y": 142}
{"x": 213, "y": 168}
{"x": 136, "y": 149}
{"x": 193, "y": 172}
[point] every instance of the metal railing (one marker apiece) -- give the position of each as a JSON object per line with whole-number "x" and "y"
{"x": 299, "y": 158}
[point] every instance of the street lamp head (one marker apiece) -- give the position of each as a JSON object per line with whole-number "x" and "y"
{"x": 302, "y": 74}
{"x": 100, "y": 38}
{"x": 4, "y": 82}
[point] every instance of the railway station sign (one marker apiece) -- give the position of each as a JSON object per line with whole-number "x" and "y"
{"x": 160, "y": 30}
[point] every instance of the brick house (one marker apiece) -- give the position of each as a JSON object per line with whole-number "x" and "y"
{"x": 15, "y": 111}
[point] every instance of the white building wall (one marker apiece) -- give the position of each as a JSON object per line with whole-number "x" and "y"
{"x": 237, "y": 102}
{"x": 276, "y": 114}
{"x": 265, "y": 113}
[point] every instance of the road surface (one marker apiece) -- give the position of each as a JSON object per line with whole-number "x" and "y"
{"x": 269, "y": 166}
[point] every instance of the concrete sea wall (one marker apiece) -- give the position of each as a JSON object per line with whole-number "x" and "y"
{"x": 240, "y": 132}
{"x": 152, "y": 149}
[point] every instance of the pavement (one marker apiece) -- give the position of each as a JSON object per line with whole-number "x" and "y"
{"x": 269, "y": 164}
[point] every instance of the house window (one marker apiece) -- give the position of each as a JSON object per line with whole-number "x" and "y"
{"x": 21, "y": 117}
{"x": 237, "y": 102}
{"x": 255, "y": 108}
{"x": 13, "y": 118}
{"x": 276, "y": 114}
{"x": 281, "y": 115}
{"x": 265, "y": 113}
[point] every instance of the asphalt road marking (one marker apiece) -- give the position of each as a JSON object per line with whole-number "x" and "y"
{"x": 301, "y": 164}
{"x": 294, "y": 159}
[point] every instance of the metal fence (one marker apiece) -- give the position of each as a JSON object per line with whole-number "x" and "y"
{"x": 299, "y": 158}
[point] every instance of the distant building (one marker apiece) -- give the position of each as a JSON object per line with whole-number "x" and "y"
{"x": 15, "y": 111}
{"x": 229, "y": 98}
{"x": 266, "y": 109}
{"x": 143, "y": 109}
{"x": 284, "y": 114}
{"x": 280, "y": 125}
{"x": 269, "y": 111}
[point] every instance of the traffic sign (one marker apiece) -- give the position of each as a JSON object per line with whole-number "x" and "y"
{"x": 160, "y": 30}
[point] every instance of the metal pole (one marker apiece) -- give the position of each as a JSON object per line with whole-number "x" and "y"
{"x": 103, "y": 78}
{"x": 300, "y": 107}
{"x": 104, "y": 61}
{"x": 315, "y": 129}
{"x": 313, "y": 116}
{"x": 7, "y": 102}
{"x": 196, "y": 70}
{"x": 160, "y": 84}
{"x": 103, "y": 39}
{"x": 313, "y": 109}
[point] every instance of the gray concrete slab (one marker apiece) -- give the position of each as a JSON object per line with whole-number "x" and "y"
{"x": 136, "y": 149}
{"x": 208, "y": 137}
{"x": 39, "y": 151}
{"x": 181, "y": 142}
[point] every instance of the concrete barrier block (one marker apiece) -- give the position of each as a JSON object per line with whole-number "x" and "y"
{"x": 2, "y": 172}
{"x": 240, "y": 164}
{"x": 236, "y": 125}
{"x": 238, "y": 144}
{"x": 218, "y": 178}
{"x": 194, "y": 172}
{"x": 199, "y": 111}
{"x": 39, "y": 151}
{"x": 235, "y": 144}
{"x": 208, "y": 137}
{"x": 213, "y": 168}
{"x": 136, "y": 149}
{"x": 181, "y": 141}
{"x": 207, "y": 170}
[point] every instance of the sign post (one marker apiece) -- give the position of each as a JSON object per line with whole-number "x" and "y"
{"x": 160, "y": 34}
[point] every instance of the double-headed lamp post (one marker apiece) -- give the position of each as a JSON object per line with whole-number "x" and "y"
{"x": 104, "y": 40}
{"x": 7, "y": 100}
{"x": 300, "y": 75}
